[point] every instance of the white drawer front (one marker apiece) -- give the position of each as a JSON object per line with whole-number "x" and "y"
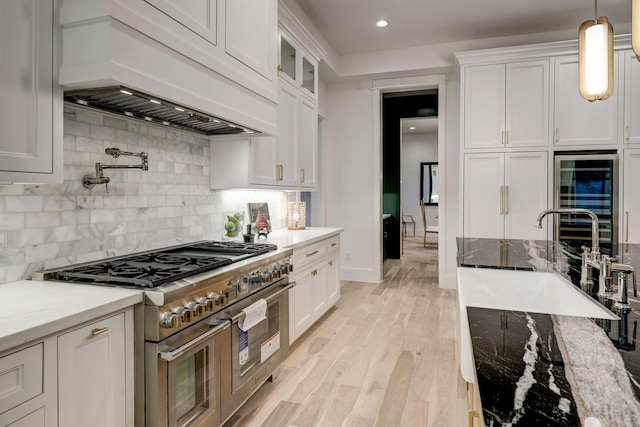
{"x": 20, "y": 377}
{"x": 308, "y": 254}
{"x": 333, "y": 244}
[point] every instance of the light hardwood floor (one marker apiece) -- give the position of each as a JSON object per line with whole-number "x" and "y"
{"x": 384, "y": 356}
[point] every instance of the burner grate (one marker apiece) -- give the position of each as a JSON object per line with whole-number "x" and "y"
{"x": 144, "y": 270}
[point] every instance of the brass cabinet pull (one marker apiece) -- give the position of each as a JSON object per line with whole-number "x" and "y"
{"x": 502, "y": 137}
{"x": 280, "y": 67}
{"x": 331, "y": 263}
{"x": 314, "y": 273}
{"x": 501, "y": 200}
{"x": 557, "y": 132}
{"x": 506, "y": 137}
{"x": 626, "y": 228}
{"x": 302, "y": 177}
{"x": 506, "y": 199}
{"x": 333, "y": 244}
{"x": 98, "y": 331}
{"x": 627, "y": 134}
{"x": 312, "y": 253}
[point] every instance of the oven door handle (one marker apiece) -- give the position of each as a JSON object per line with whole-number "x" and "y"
{"x": 268, "y": 300}
{"x": 180, "y": 351}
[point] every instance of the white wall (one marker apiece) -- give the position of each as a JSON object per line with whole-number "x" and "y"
{"x": 354, "y": 169}
{"x": 46, "y": 226}
{"x": 350, "y": 174}
{"x": 416, "y": 148}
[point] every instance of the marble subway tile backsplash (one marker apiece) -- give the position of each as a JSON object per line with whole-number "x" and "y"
{"x": 46, "y": 226}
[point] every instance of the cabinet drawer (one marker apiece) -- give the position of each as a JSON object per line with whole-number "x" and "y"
{"x": 333, "y": 244}
{"x": 308, "y": 254}
{"x": 21, "y": 376}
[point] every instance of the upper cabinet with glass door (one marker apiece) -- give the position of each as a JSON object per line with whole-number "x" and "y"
{"x": 296, "y": 66}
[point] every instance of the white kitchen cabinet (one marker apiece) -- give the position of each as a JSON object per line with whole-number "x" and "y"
{"x": 92, "y": 374}
{"x": 273, "y": 161}
{"x": 316, "y": 273}
{"x": 31, "y": 115}
{"x": 22, "y": 387}
{"x": 82, "y": 376}
{"x": 333, "y": 271}
{"x": 198, "y": 16}
{"x": 33, "y": 419}
{"x": 630, "y": 200}
{"x": 307, "y": 143}
{"x": 296, "y": 146}
{"x": 577, "y": 121}
{"x": 503, "y": 194}
{"x": 215, "y": 56}
{"x": 506, "y": 105}
{"x": 631, "y": 98}
{"x": 297, "y": 66}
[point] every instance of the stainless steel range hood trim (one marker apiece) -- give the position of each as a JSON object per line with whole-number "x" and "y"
{"x": 133, "y": 104}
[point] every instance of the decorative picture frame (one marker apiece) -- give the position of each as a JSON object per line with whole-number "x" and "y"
{"x": 260, "y": 219}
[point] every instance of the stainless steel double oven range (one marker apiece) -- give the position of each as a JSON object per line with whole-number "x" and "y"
{"x": 199, "y": 365}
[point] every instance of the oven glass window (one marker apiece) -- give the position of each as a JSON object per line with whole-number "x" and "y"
{"x": 253, "y": 347}
{"x": 191, "y": 386}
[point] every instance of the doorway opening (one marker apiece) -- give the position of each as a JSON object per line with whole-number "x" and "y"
{"x": 402, "y": 155}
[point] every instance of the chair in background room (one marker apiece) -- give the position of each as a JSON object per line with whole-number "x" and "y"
{"x": 407, "y": 219}
{"x": 427, "y": 228}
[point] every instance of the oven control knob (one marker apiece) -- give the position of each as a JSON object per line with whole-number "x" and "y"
{"x": 169, "y": 320}
{"x": 286, "y": 268}
{"x": 276, "y": 273}
{"x": 216, "y": 299}
{"x": 243, "y": 284}
{"x": 231, "y": 292}
{"x": 190, "y": 311}
{"x": 202, "y": 305}
{"x": 267, "y": 276}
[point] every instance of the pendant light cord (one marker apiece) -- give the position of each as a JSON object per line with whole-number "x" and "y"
{"x": 596, "y": 17}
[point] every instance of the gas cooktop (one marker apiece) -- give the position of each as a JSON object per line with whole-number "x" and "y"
{"x": 153, "y": 268}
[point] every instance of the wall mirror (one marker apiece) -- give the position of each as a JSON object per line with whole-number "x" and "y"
{"x": 429, "y": 183}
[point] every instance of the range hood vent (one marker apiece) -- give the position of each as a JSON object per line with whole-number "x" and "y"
{"x": 137, "y": 105}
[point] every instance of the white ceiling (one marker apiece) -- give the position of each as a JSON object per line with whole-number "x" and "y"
{"x": 421, "y": 125}
{"x": 349, "y": 25}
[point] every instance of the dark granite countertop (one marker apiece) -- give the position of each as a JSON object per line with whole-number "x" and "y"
{"x": 520, "y": 372}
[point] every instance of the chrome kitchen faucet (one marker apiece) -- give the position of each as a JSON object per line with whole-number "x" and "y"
{"x": 89, "y": 181}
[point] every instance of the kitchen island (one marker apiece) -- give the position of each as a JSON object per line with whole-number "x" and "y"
{"x": 542, "y": 369}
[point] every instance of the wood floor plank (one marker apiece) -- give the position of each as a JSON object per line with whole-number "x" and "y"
{"x": 282, "y": 414}
{"x": 416, "y": 413}
{"x": 385, "y": 356}
{"x": 395, "y": 396}
{"x": 340, "y": 408}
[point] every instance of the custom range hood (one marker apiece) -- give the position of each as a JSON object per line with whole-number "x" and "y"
{"x": 134, "y": 104}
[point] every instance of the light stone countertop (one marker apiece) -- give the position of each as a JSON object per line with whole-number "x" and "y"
{"x": 31, "y": 310}
{"x": 293, "y": 239}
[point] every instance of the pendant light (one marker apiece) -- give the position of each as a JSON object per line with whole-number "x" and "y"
{"x": 635, "y": 27}
{"x": 595, "y": 55}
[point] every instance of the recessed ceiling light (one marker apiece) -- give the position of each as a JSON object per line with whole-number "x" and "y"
{"x": 382, "y": 23}
{"x": 412, "y": 128}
